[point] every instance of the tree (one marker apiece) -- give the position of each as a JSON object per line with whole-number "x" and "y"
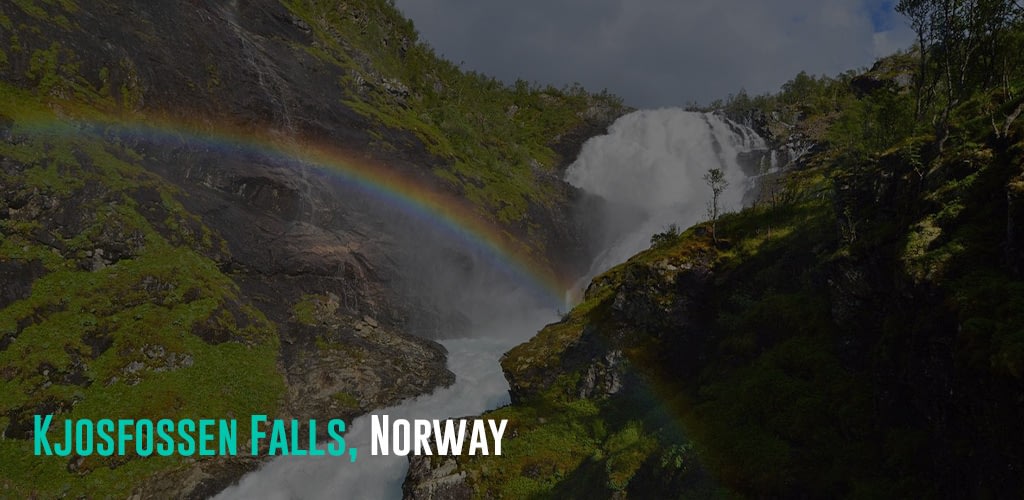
{"x": 715, "y": 179}
{"x": 920, "y": 14}
{"x": 963, "y": 47}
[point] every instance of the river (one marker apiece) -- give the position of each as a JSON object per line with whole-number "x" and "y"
{"x": 652, "y": 163}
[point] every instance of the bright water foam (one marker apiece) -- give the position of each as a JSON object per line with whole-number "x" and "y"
{"x": 651, "y": 164}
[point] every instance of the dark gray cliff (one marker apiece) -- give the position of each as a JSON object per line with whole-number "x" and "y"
{"x": 319, "y": 283}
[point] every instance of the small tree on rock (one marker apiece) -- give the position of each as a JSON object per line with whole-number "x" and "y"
{"x": 715, "y": 179}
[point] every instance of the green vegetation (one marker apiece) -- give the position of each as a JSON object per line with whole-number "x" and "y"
{"x": 847, "y": 336}
{"x": 130, "y": 315}
{"x": 129, "y": 312}
{"x": 648, "y": 440}
{"x": 493, "y": 139}
{"x": 857, "y": 333}
{"x": 667, "y": 237}
{"x": 347, "y": 401}
{"x": 309, "y": 310}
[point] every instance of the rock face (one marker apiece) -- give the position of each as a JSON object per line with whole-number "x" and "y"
{"x": 427, "y": 480}
{"x": 357, "y": 367}
{"x": 292, "y": 70}
{"x": 582, "y": 361}
{"x": 136, "y": 253}
{"x": 198, "y": 482}
{"x": 639, "y": 313}
{"x": 297, "y": 242}
{"x": 247, "y": 256}
{"x": 16, "y": 278}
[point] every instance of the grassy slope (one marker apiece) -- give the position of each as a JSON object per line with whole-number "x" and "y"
{"x": 810, "y": 366}
{"x": 596, "y": 446}
{"x": 494, "y": 139}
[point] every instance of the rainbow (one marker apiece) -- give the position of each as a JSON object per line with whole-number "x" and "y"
{"x": 447, "y": 213}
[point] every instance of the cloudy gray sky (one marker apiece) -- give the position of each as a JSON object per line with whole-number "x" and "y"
{"x": 660, "y": 52}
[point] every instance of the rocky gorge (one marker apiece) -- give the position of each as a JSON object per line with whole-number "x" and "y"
{"x": 291, "y": 208}
{"x": 854, "y": 333}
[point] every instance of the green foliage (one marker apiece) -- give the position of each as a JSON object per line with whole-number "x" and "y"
{"x": 777, "y": 408}
{"x": 557, "y": 445}
{"x": 50, "y": 11}
{"x": 307, "y": 310}
{"x": 964, "y": 47}
{"x": 347, "y": 401}
{"x": 798, "y": 99}
{"x": 626, "y": 451}
{"x": 667, "y": 237}
{"x": 554, "y": 440}
{"x": 159, "y": 332}
{"x": 31, "y": 8}
{"x": 492, "y": 138}
{"x": 873, "y": 123}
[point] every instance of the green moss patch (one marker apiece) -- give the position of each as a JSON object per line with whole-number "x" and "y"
{"x": 132, "y": 319}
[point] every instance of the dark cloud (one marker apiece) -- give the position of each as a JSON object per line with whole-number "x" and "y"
{"x": 659, "y": 52}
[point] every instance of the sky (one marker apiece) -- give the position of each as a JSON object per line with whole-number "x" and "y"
{"x": 657, "y": 53}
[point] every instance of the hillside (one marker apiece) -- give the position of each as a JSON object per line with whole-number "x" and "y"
{"x": 859, "y": 332}
{"x": 181, "y": 234}
{"x": 224, "y": 209}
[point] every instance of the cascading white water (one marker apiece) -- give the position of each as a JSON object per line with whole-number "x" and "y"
{"x": 479, "y": 386}
{"x": 651, "y": 163}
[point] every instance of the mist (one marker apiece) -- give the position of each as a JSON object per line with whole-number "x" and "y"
{"x": 649, "y": 171}
{"x": 444, "y": 280}
{"x": 645, "y": 174}
{"x": 472, "y": 301}
{"x": 479, "y": 386}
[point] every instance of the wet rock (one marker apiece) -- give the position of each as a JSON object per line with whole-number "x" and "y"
{"x": 431, "y": 478}
{"x": 75, "y": 465}
{"x": 371, "y": 368}
{"x": 16, "y": 277}
{"x": 153, "y": 351}
{"x": 603, "y": 378}
{"x": 134, "y": 367}
{"x": 200, "y": 480}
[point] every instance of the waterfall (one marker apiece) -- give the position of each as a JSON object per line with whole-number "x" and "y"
{"x": 479, "y": 386}
{"x": 649, "y": 169}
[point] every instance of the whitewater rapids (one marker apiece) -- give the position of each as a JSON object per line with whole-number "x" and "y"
{"x": 650, "y": 165}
